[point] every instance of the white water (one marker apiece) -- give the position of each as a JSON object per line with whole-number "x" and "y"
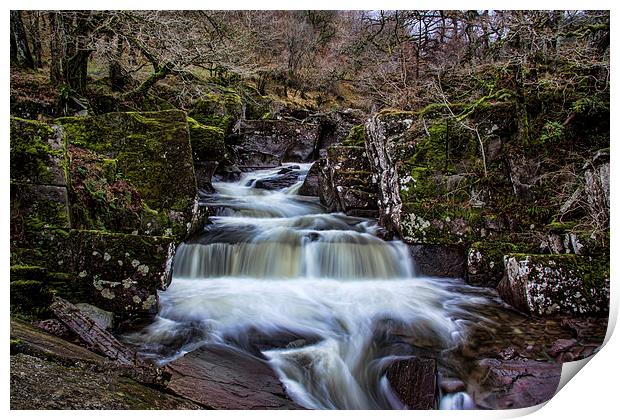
{"x": 273, "y": 269}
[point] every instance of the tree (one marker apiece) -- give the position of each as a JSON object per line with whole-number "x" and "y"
{"x": 20, "y": 51}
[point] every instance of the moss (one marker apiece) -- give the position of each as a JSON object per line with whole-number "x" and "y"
{"x": 356, "y": 136}
{"x": 207, "y": 142}
{"x": 592, "y": 272}
{"x": 31, "y": 154}
{"x": 124, "y": 163}
{"x": 30, "y": 298}
{"x": 218, "y": 110}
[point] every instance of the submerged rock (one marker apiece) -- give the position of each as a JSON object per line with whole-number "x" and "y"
{"x": 415, "y": 382}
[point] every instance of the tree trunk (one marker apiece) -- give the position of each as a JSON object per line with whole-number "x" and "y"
{"x": 20, "y": 51}
{"x": 69, "y": 50}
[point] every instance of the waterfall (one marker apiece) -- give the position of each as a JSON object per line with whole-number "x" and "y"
{"x": 272, "y": 263}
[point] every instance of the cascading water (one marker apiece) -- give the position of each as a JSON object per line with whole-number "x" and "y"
{"x": 272, "y": 265}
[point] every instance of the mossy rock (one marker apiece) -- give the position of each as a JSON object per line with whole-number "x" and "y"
{"x": 37, "y": 207}
{"x": 485, "y": 261}
{"x": 207, "y": 143}
{"x": 219, "y": 110}
{"x": 36, "y": 154}
{"x": 146, "y": 153}
{"x": 444, "y": 223}
{"x": 121, "y": 273}
{"x": 356, "y": 136}
{"x": 556, "y": 284}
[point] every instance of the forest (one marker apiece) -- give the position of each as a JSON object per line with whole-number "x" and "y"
{"x": 323, "y": 209}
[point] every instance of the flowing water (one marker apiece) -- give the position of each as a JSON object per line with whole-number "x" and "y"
{"x": 328, "y": 303}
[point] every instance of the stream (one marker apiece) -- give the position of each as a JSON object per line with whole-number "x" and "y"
{"x": 320, "y": 296}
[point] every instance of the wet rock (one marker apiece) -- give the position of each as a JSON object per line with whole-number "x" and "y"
{"x": 552, "y": 284}
{"x": 516, "y": 383}
{"x": 204, "y": 176}
{"x": 451, "y": 385}
{"x": 561, "y": 345}
{"x": 439, "y": 260}
{"x": 278, "y": 182}
{"x": 310, "y": 187}
{"x": 345, "y": 182}
{"x": 415, "y": 382}
{"x": 284, "y": 140}
{"x": 508, "y": 353}
{"x": 220, "y": 377}
{"x": 254, "y": 159}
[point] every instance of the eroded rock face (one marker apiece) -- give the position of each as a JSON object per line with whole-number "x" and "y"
{"x": 267, "y": 143}
{"x": 345, "y": 182}
{"x": 220, "y": 377}
{"x": 415, "y": 382}
{"x": 556, "y": 284}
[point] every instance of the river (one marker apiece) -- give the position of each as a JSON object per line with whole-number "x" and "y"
{"x": 320, "y": 296}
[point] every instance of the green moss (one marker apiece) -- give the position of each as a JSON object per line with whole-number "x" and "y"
{"x": 356, "y": 136}
{"x": 218, "y": 110}
{"x": 207, "y": 142}
{"x": 31, "y": 154}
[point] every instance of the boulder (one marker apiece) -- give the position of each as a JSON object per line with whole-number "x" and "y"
{"x": 144, "y": 155}
{"x": 485, "y": 262}
{"x": 310, "y": 187}
{"x": 284, "y": 140}
{"x": 439, "y": 260}
{"x": 204, "y": 176}
{"x": 414, "y": 381}
{"x": 278, "y": 181}
{"x": 345, "y": 182}
{"x": 220, "y": 377}
{"x": 556, "y": 284}
{"x": 516, "y": 383}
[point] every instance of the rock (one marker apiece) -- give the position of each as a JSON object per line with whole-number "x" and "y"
{"x": 207, "y": 142}
{"x": 229, "y": 173}
{"x": 104, "y": 319}
{"x": 284, "y": 140}
{"x": 220, "y": 377}
{"x": 204, "y": 176}
{"x": 415, "y": 382}
{"x": 508, "y": 353}
{"x": 439, "y": 260}
{"x": 36, "y": 153}
{"x": 485, "y": 262}
{"x": 41, "y": 384}
{"x": 310, "y": 187}
{"x": 146, "y": 153}
{"x": 556, "y": 284}
{"x": 516, "y": 383}
{"x": 34, "y": 207}
{"x": 218, "y": 110}
{"x": 381, "y": 131}
{"x": 118, "y": 272}
{"x": 278, "y": 182}
{"x": 254, "y": 159}
{"x": 451, "y": 385}
{"x": 335, "y": 127}
{"x": 345, "y": 183}
{"x": 560, "y": 346}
